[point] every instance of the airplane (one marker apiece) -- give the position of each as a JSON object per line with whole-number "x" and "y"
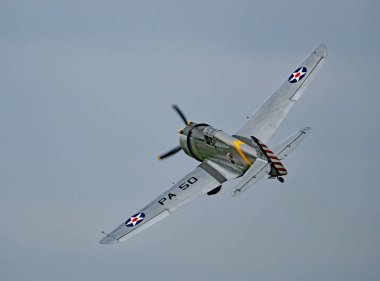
{"x": 225, "y": 157}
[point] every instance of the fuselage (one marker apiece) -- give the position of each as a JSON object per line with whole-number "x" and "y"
{"x": 205, "y": 143}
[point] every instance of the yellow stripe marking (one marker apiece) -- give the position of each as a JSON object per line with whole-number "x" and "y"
{"x": 237, "y": 145}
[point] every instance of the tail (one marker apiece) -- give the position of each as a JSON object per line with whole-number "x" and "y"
{"x": 272, "y": 167}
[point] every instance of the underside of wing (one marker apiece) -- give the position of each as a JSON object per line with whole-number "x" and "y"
{"x": 266, "y": 120}
{"x": 200, "y": 181}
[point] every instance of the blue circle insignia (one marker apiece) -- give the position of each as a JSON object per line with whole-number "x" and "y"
{"x": 297, "y": 75}
{"x": 135, "y": 219}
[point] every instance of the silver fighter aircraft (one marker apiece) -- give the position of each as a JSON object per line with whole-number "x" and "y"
{"x": 224, "y": 157}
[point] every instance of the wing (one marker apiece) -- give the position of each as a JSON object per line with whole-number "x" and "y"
{"x": 195, "y": 184}
{"x": 270, "y": 115}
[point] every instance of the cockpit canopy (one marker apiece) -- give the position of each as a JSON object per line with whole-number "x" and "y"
{"x": 209, "y": 133}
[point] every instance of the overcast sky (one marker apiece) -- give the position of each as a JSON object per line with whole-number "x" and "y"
{"x": 85, "y": 94}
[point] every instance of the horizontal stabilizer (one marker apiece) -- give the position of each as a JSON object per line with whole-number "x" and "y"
{"x": 285, "y": 147}
{"x": 256, "y": 172}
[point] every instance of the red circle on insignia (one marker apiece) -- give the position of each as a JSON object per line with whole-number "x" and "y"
{"x": 135, "y": 220}
{"x": 297, "y": 75}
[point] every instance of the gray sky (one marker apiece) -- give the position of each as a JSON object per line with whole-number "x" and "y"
{"x": 85, "y": 90}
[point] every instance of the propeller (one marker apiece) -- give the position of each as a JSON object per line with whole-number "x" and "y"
{"x": 180, "y": 113}
{"x": 177, "y": 148}
{"x": 169, "y": 153}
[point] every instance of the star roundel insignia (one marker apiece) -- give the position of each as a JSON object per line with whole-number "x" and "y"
{"x": 135, "y": 219}
{"x": 297, "y": 75}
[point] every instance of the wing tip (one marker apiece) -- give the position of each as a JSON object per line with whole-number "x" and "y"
{"x": 108, "y": 240}
{"x": 305, "y": 130}
{"x": 235, "y": 193}
{"x": 321, "y": 50}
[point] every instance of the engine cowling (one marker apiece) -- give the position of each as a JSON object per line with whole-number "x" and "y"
{"x": 191, "y": 138}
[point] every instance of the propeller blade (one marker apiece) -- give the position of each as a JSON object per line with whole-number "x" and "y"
{"x": 180, "y": 113}
{"x": 169, "y": 153}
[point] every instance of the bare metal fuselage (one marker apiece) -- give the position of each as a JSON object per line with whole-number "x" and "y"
{"x": 227, "y": 154}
